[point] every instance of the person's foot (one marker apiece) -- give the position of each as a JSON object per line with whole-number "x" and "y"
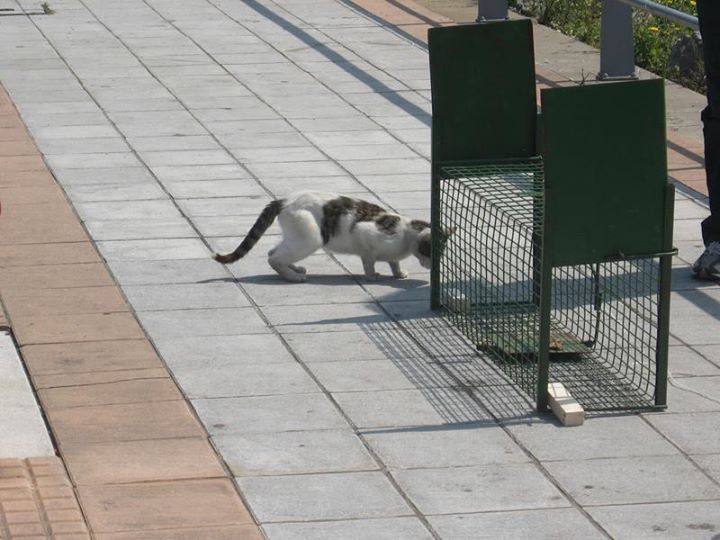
{"x": 708, "y": 265}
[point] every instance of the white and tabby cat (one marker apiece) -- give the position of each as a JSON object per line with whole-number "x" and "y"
{"x": 310, "y": 221}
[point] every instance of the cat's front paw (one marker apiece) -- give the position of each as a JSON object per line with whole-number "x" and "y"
{"x": 298, "y": 269}
{"x": 402, "y": 274}
{"x": 372, "y": 277}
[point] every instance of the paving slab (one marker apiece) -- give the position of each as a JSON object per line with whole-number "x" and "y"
{"x": 182, "y": 503}
{"x": 110, "y": 393}
{"x": 643, "y": 480}
{"x": 140, "y": 229}
{"x": 114, "y": 210}
{"x": 89, "y": 356}
{"x": 141, "y": 461}
{"x": 119, "y": 422}
{"x": 168, "y": 271}
{"x": 389, "y": 408}
{"x": 444, "y": 446}
{"x": 115, "y": 192}
{"x": 227, "y": 532}
{"x": 361, "y": 376}
{"x": 202, "y": 322}
{"x": 261, "y": 414}
{"x": 323, "y": 497}
{"x": 294, "y": 452}
{"x": 205, "y": 189}
{"x": 480, "y": 489}
{"x": 240, "y": 379}
{"x": 694, "y": 433}
{"x": 185, "y": 296}
{"x": 622, "y": 436}
{"x": 153, "y": 249}
{"x": 545, "y": 524}
{"x": 76, "y": 300}
{"x": 710, "y": 464}
{"x": 378, "y": 528}
{"x": 668, "y": 520}
{"x": 237, "y": 350}
{"x": 325, "y": 317}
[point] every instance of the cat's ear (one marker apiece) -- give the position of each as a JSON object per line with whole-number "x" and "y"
{"x": 448, "y": 231}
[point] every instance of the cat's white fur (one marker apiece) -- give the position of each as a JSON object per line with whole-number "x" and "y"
{"x": 301, "y": 219}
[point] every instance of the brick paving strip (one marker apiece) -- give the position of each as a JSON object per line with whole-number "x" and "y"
{"x": 137, "y": 459}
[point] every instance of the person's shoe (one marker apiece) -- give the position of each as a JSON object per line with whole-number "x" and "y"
{"x": 708, "y": 265}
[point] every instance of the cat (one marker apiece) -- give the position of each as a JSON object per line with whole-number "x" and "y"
{"x": 311, "y": 220}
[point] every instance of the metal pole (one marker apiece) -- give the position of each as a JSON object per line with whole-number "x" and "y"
{"x": 492, "y": 10}
{"x": 617, "y": 50}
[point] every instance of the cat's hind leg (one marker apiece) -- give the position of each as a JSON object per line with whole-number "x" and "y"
{"x": 283, "y": 257}
{"x": 301, "y": 237}
{"x": 293, "y": 267}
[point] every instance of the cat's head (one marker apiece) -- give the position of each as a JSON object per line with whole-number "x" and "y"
{"x": 423, "y": 251}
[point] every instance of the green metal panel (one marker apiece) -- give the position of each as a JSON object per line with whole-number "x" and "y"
{"x": 483, "y": 91}
{"x": 605, "y": 171}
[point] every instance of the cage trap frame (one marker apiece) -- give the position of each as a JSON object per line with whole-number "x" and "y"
{"x": 559, "y": 264}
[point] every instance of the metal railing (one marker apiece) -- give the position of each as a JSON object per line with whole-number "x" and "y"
{"x": 617, "y": 49}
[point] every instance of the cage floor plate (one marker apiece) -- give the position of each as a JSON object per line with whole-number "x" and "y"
{"x": 514, "y": 330}
{"x": 509, "y": 335}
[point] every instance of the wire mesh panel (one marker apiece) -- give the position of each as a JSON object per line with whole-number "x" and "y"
{"x": 603, "y": 319}
{"x": 487, "y": 270}
{"x": 606, "y": 356}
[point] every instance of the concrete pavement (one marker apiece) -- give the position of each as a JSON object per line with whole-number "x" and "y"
{"x": 339, "y": 409}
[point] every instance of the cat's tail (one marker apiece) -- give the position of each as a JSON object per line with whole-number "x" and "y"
{"x": 263, "y": 222}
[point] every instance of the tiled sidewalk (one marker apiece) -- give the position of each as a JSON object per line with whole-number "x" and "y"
{"x": 341, "y": 409}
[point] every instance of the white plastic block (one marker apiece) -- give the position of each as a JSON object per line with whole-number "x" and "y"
{"x": 564, "y": 406}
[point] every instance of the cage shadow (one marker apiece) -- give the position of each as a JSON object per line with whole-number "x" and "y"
{"x": 464, "y": 387}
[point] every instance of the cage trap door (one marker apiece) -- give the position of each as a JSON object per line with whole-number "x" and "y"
{"x": 605, "y": 159}
{"x": 483, "y": 91}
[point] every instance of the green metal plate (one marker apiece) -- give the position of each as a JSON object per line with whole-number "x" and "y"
{"x": 604, "y": 152}
{"x": 483, "y": 91}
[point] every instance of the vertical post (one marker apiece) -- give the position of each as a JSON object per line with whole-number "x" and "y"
{"x": 663, "y": 330}
{"x": 617, "y": 50}
{"x": 492, "y": 10}
{"x": 545, "y": 307}
{"x": 434, "y": 237}
{"x": 543, "y": 367}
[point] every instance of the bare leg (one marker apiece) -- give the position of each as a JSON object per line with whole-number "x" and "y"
{"x": 396, "y": 270}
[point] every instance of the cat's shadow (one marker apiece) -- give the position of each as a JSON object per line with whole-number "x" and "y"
{"x": 323, "y": 279}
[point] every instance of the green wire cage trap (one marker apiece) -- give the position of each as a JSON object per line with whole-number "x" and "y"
{"x": 558, "y": 265}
